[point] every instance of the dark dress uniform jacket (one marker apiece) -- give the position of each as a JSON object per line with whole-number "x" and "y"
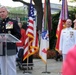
{"x": 10, "y": 26}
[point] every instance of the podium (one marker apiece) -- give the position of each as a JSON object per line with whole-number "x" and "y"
{"x": 4, "y": 39}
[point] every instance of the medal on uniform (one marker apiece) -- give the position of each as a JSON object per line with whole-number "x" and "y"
{"x": 9, "y": 25}
{"x": 71, "y": 34}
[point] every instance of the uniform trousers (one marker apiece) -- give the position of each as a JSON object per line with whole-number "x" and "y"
{"x": 64, "y": 56}
{"x": 18, "y": 48}
{"x": 8, "y": 64}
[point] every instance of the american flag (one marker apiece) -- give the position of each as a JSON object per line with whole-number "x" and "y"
{"x": 31, "y": 42}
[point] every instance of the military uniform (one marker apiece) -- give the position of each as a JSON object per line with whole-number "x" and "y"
{"x": 9, "y": 26}
{"x": 67, "y": 40}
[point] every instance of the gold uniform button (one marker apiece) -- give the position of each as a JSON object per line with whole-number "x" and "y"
{"x": 2, "y": 30}
{"x": 3, "y": 22}
{"x": 2, "y": 27}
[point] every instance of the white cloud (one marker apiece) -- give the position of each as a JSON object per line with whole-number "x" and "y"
{"x": 10, "y": 3}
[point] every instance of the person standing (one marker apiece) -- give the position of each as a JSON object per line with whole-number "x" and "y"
{"x": 22, "y": 43}
{"x": 68, "y": 66}
{"x": 67, "y": 38}
{"x": 20, "y": 46}
{"x": 9, "y": 26}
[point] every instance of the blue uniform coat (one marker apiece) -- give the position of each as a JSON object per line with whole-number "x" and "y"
{"x": 10, "y": 26}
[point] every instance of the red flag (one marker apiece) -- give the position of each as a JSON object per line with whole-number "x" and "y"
{"x": 62, "y": 20}
{"x": 31, "y": 40}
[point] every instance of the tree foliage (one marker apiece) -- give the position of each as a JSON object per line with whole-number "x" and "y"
{"x": 18, "y": 10}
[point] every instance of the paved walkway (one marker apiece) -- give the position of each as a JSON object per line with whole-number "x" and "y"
{"x": 53, "y": 67}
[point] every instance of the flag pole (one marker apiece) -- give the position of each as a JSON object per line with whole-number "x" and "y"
{"x": 46, "y": 68}
{"x": 27, "y": 67}
{"x": 27, "y": 71}
{"x": 44, "y": 45}
{"x": 27, "y": 64}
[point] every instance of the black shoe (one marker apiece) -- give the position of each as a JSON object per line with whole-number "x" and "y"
{"x": 30, "y": 68}
{"x": 56, "y": 59}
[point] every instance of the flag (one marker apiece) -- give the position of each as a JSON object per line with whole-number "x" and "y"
{"x": 49, "y": 16}
{"x": 46, "y": 27}
{"x": 35, "y": 44}
{"x": 31, "y": 40}
{"x": 44, "y": 45}
{"x": 62, "y": 20}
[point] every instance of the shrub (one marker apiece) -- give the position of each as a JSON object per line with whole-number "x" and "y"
{"x": 50, "y": 54}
